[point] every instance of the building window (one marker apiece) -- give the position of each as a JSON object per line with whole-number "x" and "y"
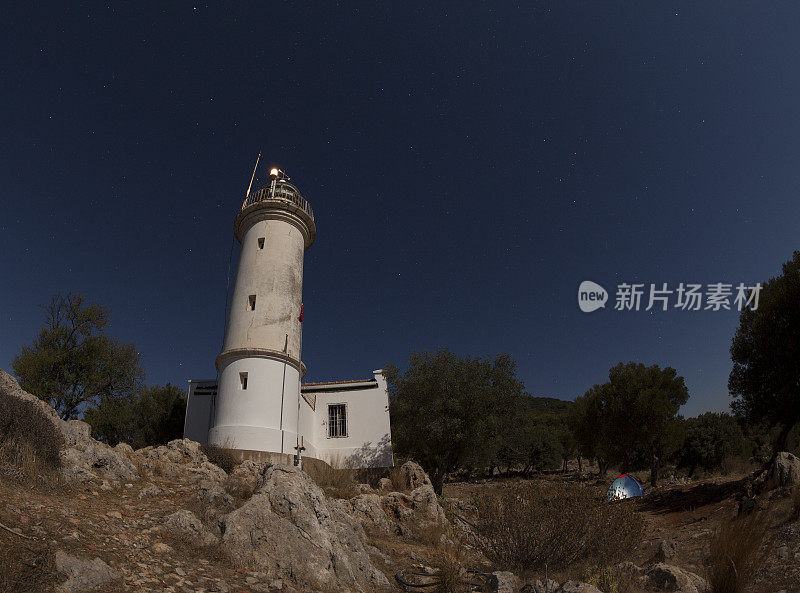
{"x": 242, "y": 381}
{"x": 261, "y": 242}
{"x": 251, "y": 302}
{"x": 337, "y": 420}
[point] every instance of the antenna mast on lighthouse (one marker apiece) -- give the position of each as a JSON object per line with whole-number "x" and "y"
{"x": 247, "y": 195}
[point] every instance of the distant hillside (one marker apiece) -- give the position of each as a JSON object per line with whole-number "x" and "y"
{"x": 549, "y": 407}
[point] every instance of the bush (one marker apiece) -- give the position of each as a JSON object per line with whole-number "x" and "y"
{"x": 220, "y": 457}
{"x": 29, "y": 441}
{"x": 555, "y": 525}
{"x": 335, "y": 478}
{"x": 736, "y": 552}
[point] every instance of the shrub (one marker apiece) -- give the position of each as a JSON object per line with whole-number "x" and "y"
{"x": 555, "y": 524}
{"x": 220, "y": 457}
{"x": 335, "y": 478}
{"x": 448, "y": 561}
{"x": 29, "y": 441}
{"x": 736, "y": 553}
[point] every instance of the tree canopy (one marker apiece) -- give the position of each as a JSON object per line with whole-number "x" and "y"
{"x": 445, "y": 408}
{"x": 709, "y": 439}
{"x": 631, "y": 419}
{"x": 152, "y": 416}
{"x": 765, "y": 378}
{"x": 72, "y": 363}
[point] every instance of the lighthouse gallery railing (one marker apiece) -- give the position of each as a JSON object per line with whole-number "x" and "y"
{"x": 282, "y": 194}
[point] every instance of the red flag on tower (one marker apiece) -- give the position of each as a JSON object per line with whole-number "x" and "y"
{"x": 300, "y": 319}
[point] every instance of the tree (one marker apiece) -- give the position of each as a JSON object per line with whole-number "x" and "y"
{"x": 72, "y": 363}
{"x": 631, "y": 419}
{"x": 153, "y": 416}
{"x": 765, "y": 378}
{"x": 708, "y": 440}
{"x": 445, "y": 408}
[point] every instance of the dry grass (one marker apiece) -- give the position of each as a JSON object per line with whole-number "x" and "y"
{"x": 24, "y": 566}
{"x": 220, "y": 457}
{"x": 430, "y": 535}
{"x": 398, "y": 479}
{"x": 555, "y": 525}
{"x": 335, "y": 478}
{"x": 240, "y": 490}
{"x": 29, "y": 442}
{"x": 448, "y": 561}
{"x": 737, "y": 551}
{"x": 610, "y": 579}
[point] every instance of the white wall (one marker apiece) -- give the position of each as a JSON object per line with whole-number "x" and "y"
{"x": 368, "y": 440}
{"x": 251, "y": 418}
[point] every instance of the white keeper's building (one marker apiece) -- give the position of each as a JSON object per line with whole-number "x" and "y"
{"x": 258, "y": 403}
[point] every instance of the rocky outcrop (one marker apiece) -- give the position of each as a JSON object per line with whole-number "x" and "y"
{"x": 290, "y": 530}
{"x": 181, "y": 459}
{"x": 184, "y": 524}
{"x": 784, "y": 472}
{"x": 665, "y": 577}
{"x": 413, "y": 476}
{"x": 83, "y": 459}
{"x": 665, "y": 550}
{"x": 398, "y": 512}
{"x": 83, "y": 574}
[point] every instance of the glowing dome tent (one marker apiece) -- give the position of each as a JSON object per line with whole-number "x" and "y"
{"x": 625, "y": 486}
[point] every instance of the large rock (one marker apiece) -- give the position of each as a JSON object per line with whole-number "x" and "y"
{"x": 413, "y": 476}
{"x": 401, "y": 513}
{"x": 665, "y": 550}
{"x": 186, "y": 525}
{"x": 289, "y": 529}
{"x": 181, "y": 459}
{"x": 785, "y": 471}
{"x": 83, "y": 459}
{"x": 83, "y": 574}
{"x": 665, "y": 577}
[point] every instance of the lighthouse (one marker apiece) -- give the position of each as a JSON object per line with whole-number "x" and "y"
{"x": 258, "y": 405}
{"x": 260, "y": 366}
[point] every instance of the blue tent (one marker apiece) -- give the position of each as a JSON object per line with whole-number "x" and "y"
{"x": 625, "y": 486}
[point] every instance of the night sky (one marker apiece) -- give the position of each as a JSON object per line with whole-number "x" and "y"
{"x": 469, "y": 165}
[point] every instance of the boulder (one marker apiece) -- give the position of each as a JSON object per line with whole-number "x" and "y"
{"x": 385, "y": 484}
{"x": 185, "y": 524}
{"x": 290, "y": 530}
{"x": 413, "y": 476}
{"x": 83, "y": 459}
{"x": 213, "y": 494}
{"x": 665, "y": 550}
{"x": 83, "y": 574}
{"x": 181, "y": 459}
{"x": 91, "y": 461}
{"x": 665, "y": 577}
{"x": 503, "y": 581}
{"x": 368, "y": 509}
{"x": 784, "y": 473}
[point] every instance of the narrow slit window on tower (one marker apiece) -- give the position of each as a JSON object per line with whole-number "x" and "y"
{"x": 242, "y": 381}
{"x": 261, "y": 242}
{"x": 337, "y": 420}
{"x": 251, "y": 302}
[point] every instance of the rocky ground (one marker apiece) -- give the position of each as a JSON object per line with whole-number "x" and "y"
{"x": 166, "y": 519}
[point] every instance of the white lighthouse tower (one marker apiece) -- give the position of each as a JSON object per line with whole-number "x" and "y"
{"x": 257, "y": 404}
{"x": 259, "y": 368}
